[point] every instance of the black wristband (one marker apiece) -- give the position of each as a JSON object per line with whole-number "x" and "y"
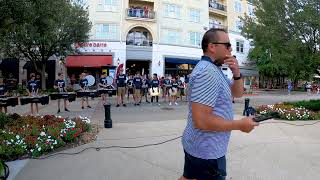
{"x": 237, "y": 78}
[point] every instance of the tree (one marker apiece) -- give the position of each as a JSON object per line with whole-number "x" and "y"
{"x": 36, "y": 30}
{"x": 285, "y": 34}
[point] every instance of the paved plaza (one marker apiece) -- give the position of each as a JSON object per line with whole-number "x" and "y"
{"x": 270, "y": 152}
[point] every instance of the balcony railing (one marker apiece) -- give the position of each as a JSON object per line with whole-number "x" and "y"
{"x": 218, "y": 6}
{"x": 140, "y": 13}
{"x": 219, "y": 26}
{"x": 139, "y": 42}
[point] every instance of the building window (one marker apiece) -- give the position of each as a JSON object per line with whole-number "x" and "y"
{"x": 172, "y": 11}
{"x": 239, "y": 25}
{"x": 239, "y": 47}
{"x": 107, "y": 5}
{"x": 194, "y": 38}
{"x": 194, "y": 15}
{"x": 171, "y": 36}
{"x": 106, "y": 31}
{"x": 250, "y": 10}
{"x": 237, "y": 7}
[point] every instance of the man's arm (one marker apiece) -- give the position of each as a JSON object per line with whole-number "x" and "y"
{"x": 237, "y": 87}
{"x": 204, "y": 119}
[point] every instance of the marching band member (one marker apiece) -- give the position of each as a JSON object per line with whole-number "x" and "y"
{"x": 155, "y": 88}
{"x": 167, "y": 85}
{"x": 144, "y": 88}
{"x": 121, "y": 88}
{"x": 3, "y": 92}
{"x": 84, "y": 87}
{"x": 130, "y": 86}
{"x": 32, "y": 89}
{"x": 180, "y": 88}
{"x": 60, "y": 84}
{"x": 173, "y": 92}
{"x": 137, "y": 83}
{"x": 103, "y": 84}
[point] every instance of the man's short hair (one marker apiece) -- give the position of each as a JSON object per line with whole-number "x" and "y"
{"x": 211, "y": 36}
{"x": 60, "y": 73}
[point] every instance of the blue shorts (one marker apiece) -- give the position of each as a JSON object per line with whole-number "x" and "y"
{"x": 204, "y": 169}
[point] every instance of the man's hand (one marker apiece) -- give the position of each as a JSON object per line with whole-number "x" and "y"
{"x": 232, "y": 62}
{"x": 246, "y": 124}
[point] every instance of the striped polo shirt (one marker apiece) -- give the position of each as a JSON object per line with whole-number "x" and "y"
{"x": 208, "y": 86}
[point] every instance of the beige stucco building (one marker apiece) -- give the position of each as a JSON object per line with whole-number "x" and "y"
{"x": 161, "y": 36}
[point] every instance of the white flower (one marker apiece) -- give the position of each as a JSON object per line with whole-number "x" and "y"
{"x": 42, "y": 134}
{"x": 11, "y": 140}
{"x": 39, "y": 149}
{"x": 17, "y": 137}
{"x": 31, "y": 150}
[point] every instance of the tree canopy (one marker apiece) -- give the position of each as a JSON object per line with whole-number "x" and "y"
{"x": 285, "y": 34}
{"x": 36, "y": 30}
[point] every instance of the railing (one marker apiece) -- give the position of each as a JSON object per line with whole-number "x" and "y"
{"x": 139, "y": 42}
{"x": 219, "y": 26}
{"x": 218, "y": 6}
{"x": 140, "y": 13}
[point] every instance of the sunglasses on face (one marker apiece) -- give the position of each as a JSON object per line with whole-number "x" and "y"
{"x": 227, "y": 44}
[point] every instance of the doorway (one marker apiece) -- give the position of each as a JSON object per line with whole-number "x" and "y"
{"x": 134, "y": 66}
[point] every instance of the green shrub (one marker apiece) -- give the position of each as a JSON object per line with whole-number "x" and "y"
{"x": 4, "y": 119}
{"x": 312, "y": 105}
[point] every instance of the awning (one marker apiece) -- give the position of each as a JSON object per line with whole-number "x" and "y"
{"x": 181, "y": 60}
{"x": 250, "y": 72}
{"x": 89, "y": 61}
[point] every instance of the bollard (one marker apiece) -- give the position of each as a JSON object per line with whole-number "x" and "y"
{"x": 246, "y": 106}
{"x": 107, "y": 116}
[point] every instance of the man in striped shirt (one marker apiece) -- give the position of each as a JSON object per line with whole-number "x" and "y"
{"x": 210, "y": 119}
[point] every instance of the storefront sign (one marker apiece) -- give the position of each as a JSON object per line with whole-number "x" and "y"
{"x": 91, "y": 44}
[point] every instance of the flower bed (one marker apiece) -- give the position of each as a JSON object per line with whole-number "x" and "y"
{"x": 33, "y": 136}
{"x": 289, "y": 112}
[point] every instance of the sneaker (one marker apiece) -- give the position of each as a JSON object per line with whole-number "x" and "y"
{"x": 124, "y": 105}
{"x": 138, "y": 104}
{"x": 82, "y": 107}
{"x": 89, "y": 106}
{"x": 170, "y": 104}
{"x": 117, "y": 105}
{"x": 135, "y": 104}
{"x": 66, "y": 109}
{"x": 176, "y": 103}
{"x": 148, "y": 101}
{"x": 58, "y": 111}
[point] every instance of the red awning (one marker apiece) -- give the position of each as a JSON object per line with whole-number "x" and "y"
{"x": 89, "y": 61}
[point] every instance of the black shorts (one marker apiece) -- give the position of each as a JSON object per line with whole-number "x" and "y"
{"x": 204, "y": 169}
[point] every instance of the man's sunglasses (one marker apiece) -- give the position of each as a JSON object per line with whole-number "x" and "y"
{"x": 228, "y": 44}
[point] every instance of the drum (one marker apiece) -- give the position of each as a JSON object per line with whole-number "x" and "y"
{"x": 70, "y": 96}
{"x": 43, "y": 99}
{"x": 173, "y": 91}
{"x": 155, "y": 91}
{"x": 91, "y": 94}
{"x": 9, "y": 101}
{"x": 91, "y": 80}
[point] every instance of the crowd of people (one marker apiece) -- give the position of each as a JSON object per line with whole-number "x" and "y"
{"x": 142, "y": 87}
